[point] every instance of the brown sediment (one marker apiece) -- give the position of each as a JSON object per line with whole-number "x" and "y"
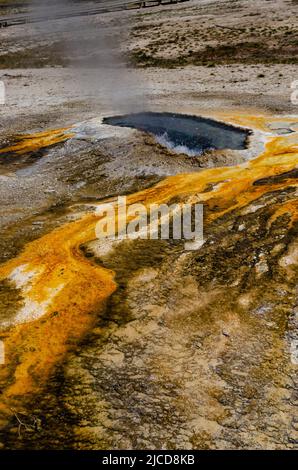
{"x": 70, "y": 290}
{"x": 289, "y": 208}
{"x": 33, "y": 142}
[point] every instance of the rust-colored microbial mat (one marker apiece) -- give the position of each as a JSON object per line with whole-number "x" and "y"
{"x": 63, "y": 291}
{"x": 32, "y": 142}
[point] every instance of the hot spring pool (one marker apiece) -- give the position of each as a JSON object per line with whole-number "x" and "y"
{"x": 184, "y": 134}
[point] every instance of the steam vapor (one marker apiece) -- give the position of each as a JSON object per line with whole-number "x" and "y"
{"x": 93, "y": 46}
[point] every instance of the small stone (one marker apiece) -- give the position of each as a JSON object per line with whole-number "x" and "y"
{"x": 295, "y": 425}
{"x": 49, "y": 191}
{"x": 293, "y": 436}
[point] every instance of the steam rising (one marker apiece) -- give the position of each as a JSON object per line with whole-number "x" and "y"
{"x": 94, "y": 47}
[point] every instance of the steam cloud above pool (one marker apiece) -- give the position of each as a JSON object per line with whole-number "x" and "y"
{"x": 191, "y": 135}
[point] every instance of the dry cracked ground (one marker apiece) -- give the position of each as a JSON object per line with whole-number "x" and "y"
{"x": 142, "y": 344}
